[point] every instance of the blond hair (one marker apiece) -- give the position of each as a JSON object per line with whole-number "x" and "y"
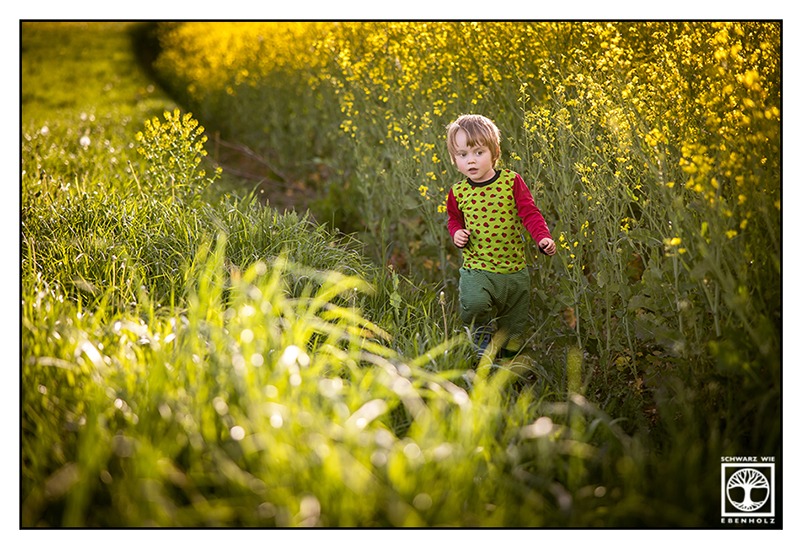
{"x": 479, "y": 130}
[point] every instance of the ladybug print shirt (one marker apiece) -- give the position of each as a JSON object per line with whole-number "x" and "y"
{"x": 495, "y": 213}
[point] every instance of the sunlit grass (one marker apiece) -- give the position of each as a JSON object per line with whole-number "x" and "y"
{"x": 251, "y": 405}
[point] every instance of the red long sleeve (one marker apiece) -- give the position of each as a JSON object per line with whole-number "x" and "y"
{"x": 456, "y": 220}
{"x": 529, "y": 213}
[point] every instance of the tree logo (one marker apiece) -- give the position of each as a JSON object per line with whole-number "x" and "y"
{"x": 747, "y": 489}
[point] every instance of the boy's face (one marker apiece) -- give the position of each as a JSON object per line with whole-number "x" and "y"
{"x": 475, "y": 162}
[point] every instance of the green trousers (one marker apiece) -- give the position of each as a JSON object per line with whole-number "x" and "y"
{"x": 501, "y": 298}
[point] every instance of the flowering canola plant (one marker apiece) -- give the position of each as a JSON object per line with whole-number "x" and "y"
{"x": 649, "y": 142}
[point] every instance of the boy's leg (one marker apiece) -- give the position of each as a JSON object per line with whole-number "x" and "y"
{"x": 514, "y": 311}
{"x": 477, "y": 307}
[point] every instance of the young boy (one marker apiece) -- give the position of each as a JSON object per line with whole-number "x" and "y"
{"x": 488, "y": 211}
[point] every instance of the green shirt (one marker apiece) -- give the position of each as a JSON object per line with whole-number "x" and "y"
{"x": 495, "y": 213}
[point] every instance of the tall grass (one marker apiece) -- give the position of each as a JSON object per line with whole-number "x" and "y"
{"x": 251, "y": 407}
{"x": 653, "y": 149}
{"x": 209, "y": 368}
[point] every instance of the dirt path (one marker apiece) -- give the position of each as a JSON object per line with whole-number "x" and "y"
{"x": 280, "y": 189}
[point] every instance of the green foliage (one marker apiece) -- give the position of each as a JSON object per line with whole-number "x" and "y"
{"x": 250, "y": 406}
{"x": 173, "y": 151}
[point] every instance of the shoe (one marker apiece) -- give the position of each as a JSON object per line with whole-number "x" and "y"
{"x": 481, "y": 339}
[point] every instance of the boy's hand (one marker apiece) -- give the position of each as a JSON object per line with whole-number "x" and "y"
{"x": 461, "y": 238}
{"x": 547, "y": 246}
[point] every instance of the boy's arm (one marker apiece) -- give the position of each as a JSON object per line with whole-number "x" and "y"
{"x": 456, "y": 220}
{"x": 529, "y": 213}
